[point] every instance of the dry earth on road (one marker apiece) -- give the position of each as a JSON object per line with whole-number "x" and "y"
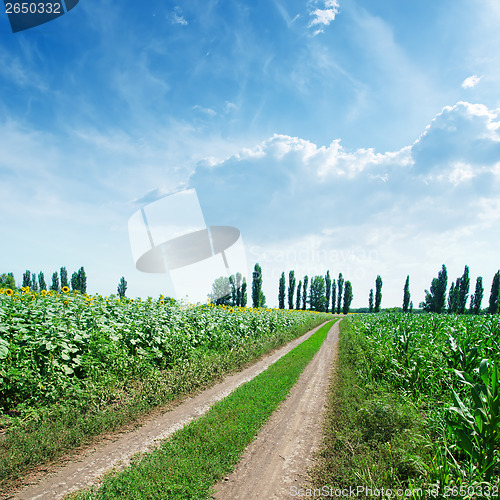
{"x": 275, "y": 464}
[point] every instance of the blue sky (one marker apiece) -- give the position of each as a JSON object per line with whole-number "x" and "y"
{"x": 359, "y": 136}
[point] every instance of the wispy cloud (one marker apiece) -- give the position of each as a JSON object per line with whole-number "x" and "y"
{"x": 471, "y": 81}
{"x": 177, "y": 17}
{"x": 207, "y": 111}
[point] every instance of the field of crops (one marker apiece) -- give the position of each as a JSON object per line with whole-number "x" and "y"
{"x": 448, "y": 367}
{"x": 55, "y": 345}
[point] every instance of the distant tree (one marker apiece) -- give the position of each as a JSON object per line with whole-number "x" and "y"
{"x": 378, "y": 294}
{"x": 64, "y": 277}
{"x": 27, "y": 278}
{"x": 435, "y": 299}
{"x": 328, "y": 286}
{"x": 55, "y": 282}
{"x": 451, "y": 297}
{"x": 243, "y": 296}
{"x": 464, "y": 291}
{"x": 232, "y": 284}
{"x": 494, "y": 302}
{"x": 122, "y": 287}
{"x": 256, "y": 285}
{"x": 82, "y": 280}
{"x": 304, "y": 292}
{"x": 347, "y": 297}
{"x": 411, "y": 306}
{"x": 34, "y": 283}
{"x": 317, "y": 299}
{"x": 454, "y": 296}
{"x": 478, "y": 295}
{"x": 370, "y": 301}
{"x": 471, "y": 304}
{"x": 406, "y": 294}
{"x": 334, "y": 295}
{"x": 291, "y": 288}
{"x": 238, "y": 289}
{"x": 74, "y": 281}
{"x": 221, "y": 291}
{"x": 340, "y": 285}
{"x": 262, "y": 299}
{"x": 281, "y": 291}
{"x": 7, "y": 281}
{"x": 41, "y": 281}
{"x": 297, "y": 302}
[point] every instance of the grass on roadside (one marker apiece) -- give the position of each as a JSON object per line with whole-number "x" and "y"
{"x": 372, "y": 437}
{"x": 47, "y": 435}
{"x": 189, "y": 463}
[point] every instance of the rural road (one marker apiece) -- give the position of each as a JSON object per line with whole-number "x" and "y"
{"x": 278, "y": 459}
{"x": 84, "y": 469}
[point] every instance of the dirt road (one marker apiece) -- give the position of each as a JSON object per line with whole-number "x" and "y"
{"x": 274, "y": 465}
{"x": 85, "y": 469}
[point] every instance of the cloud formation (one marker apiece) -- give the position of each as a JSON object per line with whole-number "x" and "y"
{"x": 471, "y": 81}
{"x": 323, "y": 16}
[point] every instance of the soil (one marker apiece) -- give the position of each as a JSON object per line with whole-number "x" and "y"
{"x": 85, "y": 467}
{"x": 275, "y": 464}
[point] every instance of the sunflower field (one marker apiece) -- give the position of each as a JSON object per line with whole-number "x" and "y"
{"x": 53, "y": 345}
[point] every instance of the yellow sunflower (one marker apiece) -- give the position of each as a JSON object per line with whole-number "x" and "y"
{"x": 9, "y": 292}
{"x": 65, "y": 289}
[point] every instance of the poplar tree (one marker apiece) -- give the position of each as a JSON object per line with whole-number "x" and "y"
{"x": 334, "y": 295}
{"x": 122, "y": 287}
{"x": 451, "y": 298}
{"x": 291, "y": 288}
{"x": 27, "y": 278}
{"x": 82, "y": 280}
{"x": 297, "y": 302}
{"x": 243, "y": 296}
{"x": 238, "y": 289}
{"x": 232, "y": 283}
{"x": 435, "y": 299}
{"x": 370, "y": 301}
{"x": 464, "y": 290}
{"x": 347, "y": 297}
{"x": 64, "y": 277}
{"x": 74, "y": 281}
{"x": 340, "y": 285}
{"x": 55, "y": 282}
{"x": 494, "y": 302}
{"x": 34, "y": 283}
{"x": 328, "y": 286}
{"x": 281, "y": 291}
{"x": 256, "y": 285}
{"x": 378, "y": 294}
{"x": 317, "y": 299}
{"x": 41, "y": 281}
{"x": 304, "y": 293}
{"x": 406, "y": 294}
{"x": 478, "y": 295}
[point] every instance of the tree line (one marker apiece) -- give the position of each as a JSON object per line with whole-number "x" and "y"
{"x": 37, "y": 283}
{"x": 439, "y": 299}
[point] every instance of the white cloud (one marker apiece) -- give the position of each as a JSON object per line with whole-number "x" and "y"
{"x": 323, "y": 16}
{"x": 308, "y": 207}
{"x": 471, "y": 81}
{"x": 206, "y": 111}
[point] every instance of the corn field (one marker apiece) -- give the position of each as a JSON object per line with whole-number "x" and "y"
{"x": 448, "y": 366}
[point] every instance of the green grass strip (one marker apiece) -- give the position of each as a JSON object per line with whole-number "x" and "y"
{"x": 189, "y": 463}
